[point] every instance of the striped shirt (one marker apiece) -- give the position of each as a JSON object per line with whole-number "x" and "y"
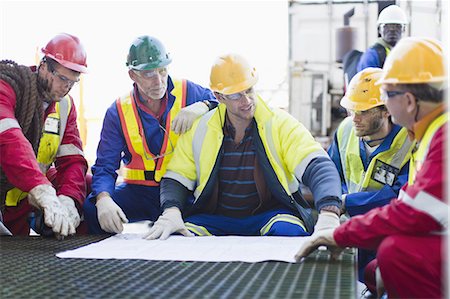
{"x": 238, "y": 195}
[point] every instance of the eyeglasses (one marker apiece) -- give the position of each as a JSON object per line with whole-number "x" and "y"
{"x": 64, "y": 79}
{"x": 162, "y": 71}
{"x": 387, "y": 94}
{"x": 363, "y": 113}
{"x": 167, "y": 152}
{"x": 238, "y": 95}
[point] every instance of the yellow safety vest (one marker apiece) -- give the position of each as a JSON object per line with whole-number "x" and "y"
{"x": 144, "y": 167}
{"x": 383, "y": 168}
{"x": 420, "y": 154}
{"x": 288, "y": 145}
{"x": 53, "y": 130}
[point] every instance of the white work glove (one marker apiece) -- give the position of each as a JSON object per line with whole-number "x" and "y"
{"x": 168, "y": 223}
{"x": 186, "y": 117}
{"x": 72, "y": 211}
{"x": 55, "y": 214}
{"x": 110, "y": 215}
{"x": 319, "y": 238}
{"x": 326, "y": 220}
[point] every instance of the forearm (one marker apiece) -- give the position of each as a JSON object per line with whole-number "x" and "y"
{"x": 323, "y": 179}
{"x": 172, "y": 194}
{"x": 71, "y": 177}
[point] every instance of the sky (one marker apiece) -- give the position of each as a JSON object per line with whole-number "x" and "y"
{"x": 194, "y": 32}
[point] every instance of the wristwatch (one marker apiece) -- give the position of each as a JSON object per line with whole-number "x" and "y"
{"x": 333, "y": 209}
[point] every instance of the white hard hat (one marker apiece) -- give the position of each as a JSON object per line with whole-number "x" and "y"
{"x": 392, "y": 14}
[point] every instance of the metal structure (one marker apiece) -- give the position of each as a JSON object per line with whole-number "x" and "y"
{"x": 316, "y": 81}
{"x": 30, "y": 269}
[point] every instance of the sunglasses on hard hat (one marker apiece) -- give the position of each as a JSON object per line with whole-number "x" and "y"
{"x": 238, "y": 95}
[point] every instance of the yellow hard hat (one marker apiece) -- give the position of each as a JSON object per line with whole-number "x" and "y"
{"x": 414, "y": 60}
{"x": 362, "y": 94}
{"x": 231, "y": 73}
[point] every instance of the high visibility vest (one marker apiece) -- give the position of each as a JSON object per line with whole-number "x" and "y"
{"x": 420, "y": 154}
{"x": 145, "y": 167}
{"x": 383, "y": 168}
{"x": 49, "y": 145}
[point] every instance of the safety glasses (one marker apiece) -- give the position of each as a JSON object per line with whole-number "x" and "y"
{"x": 238, "y": 95}
{"x": 64, "y": 79}
{"x": 162, "y": 71}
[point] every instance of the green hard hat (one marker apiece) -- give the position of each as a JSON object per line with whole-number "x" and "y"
{"x": 147, "y": 53}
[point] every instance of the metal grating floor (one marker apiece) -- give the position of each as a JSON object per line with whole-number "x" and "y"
{"x": 30, "y": 269}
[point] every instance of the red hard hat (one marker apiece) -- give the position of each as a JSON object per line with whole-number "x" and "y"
{"x": 67, "y": 50}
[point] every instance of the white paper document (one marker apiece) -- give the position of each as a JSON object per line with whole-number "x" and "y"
{"x": 180, "y": 248}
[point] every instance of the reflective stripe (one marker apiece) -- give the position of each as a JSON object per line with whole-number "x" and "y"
{"x": 424, "y": 146}
{"x": 293, "y": 185}
{"x": 343, "y": 137}
{"x": 8, "y": 123}
{"x": 283, "y": 218}
{"x": 357, "y": 177}
{"x": 49, "y": 147}
{"x": 68, "y": 150}
{"x": 63, "y": 115}
{"x": 181, "y": 179}
{"x": 142, "y": 159}
{"x": 428, "y": 204}
{"x": 300, "y": 169}
{"x": 200, "y": 231}
{"x": 199, "y": 138}
{"x": 134, "y": 174}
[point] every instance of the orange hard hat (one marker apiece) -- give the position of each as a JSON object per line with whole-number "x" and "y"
{"x": 232, "y": 73}
{"x": 414, "y": 60}
{"x": 67, "y": 50}
{"x": 362, "y": 93}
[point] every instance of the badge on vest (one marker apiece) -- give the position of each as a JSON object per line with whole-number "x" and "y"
{"x": 384, "y": 173}
{"x": 51, "y": 125}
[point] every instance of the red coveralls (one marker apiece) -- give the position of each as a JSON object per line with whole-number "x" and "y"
{"x": 18, "y": 161}
{"x": 408, "y": 233}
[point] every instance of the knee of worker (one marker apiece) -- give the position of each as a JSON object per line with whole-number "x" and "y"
{"x": 369, "y": 276}
{"x": 89, "y": 209}
{"x": 390, "y": 252}
{"x": 283, "y": 228}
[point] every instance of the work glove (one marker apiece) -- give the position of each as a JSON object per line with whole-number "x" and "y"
{"x": 186, "y": 117}
{"x": 72, "y": 211}
{"x": 326, "y": 220}
{"x": 110, "y": 215}
{"x": 322, "y": 237}
{"x": 168, "y": 223}
{"x": 55, "y": 214}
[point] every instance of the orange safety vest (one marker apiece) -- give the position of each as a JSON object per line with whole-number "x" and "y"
{"x": 145, "y": 167}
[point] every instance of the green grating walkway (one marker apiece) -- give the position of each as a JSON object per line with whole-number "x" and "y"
{"x": 30, "y": 269}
